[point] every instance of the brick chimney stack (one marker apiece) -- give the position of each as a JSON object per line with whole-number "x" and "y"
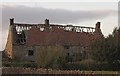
{"x": 11, "y": 21}
{"x": 47, "y": 22}
{"x": 47, "y": 25}
{"x": 97, "y": 28}
{"x": 98, "y": 33}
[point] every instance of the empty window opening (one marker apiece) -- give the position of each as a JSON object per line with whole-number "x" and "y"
{"x": 30, "y": 52}
{"x": 21, "y": 39}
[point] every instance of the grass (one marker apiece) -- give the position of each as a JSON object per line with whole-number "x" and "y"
{"x": 102, "y": 72}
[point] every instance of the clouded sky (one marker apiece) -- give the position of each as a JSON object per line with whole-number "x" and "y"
{"x": 76, "y": 13}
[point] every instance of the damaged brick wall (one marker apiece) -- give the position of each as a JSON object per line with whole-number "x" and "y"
{"x": 8, "y": 48}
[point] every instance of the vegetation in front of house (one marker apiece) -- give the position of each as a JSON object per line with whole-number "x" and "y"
{"x": 107, "y": 51}
{"x": 50, "y": 57}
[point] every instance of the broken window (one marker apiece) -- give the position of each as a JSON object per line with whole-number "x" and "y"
{"x": 30, "y": 52}
{"x": 21, "y": 39}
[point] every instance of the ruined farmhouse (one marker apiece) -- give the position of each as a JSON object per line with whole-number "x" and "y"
{"x": 23, "y": 39}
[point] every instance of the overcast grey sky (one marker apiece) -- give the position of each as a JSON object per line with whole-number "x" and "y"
{"x": 76, "y": 13}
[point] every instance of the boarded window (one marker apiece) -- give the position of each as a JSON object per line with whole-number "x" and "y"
{"x": 30, "y": 52}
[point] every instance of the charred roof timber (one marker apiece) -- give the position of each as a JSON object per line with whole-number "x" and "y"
{"x": 47, "y": 26}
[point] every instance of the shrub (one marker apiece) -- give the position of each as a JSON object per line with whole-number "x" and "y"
{"x": 50, "y": 56}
